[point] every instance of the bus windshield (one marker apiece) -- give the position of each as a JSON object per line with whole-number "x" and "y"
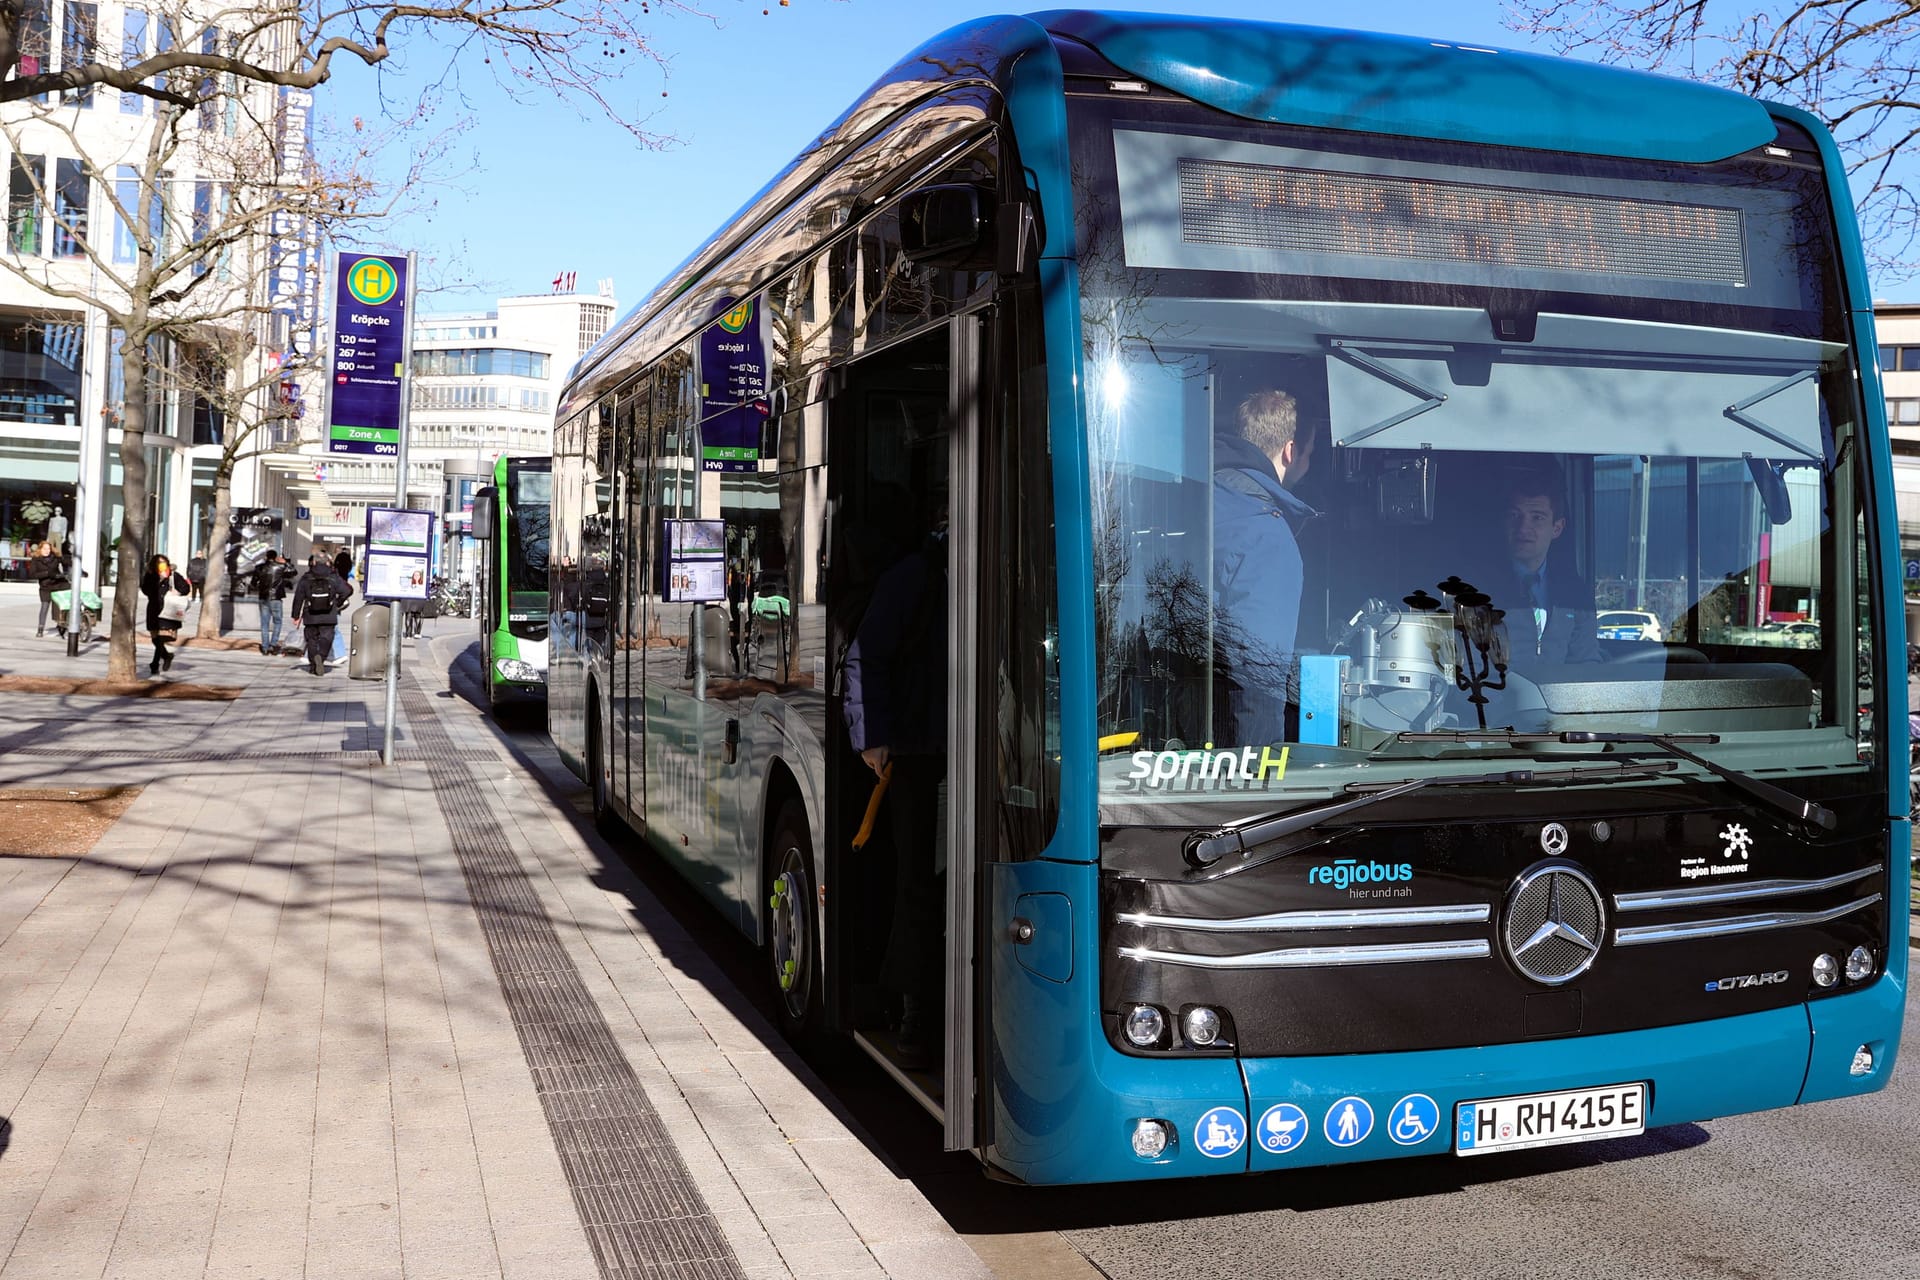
{"x": 529, "y": 497}
{"x": 1395, "y": 443}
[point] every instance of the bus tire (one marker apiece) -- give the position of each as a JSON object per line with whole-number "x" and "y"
{"x": 604, "y": 820}
{"x": 792, "y": 950}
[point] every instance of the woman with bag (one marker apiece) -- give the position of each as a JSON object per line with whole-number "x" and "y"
{"x": 168, "y": 592}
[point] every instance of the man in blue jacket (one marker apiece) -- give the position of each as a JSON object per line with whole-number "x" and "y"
{"x": 1549, "y": 607}
{"x": 1257, "y": 569}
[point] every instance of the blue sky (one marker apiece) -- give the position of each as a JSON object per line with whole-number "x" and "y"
{"x": 555, "y": 187}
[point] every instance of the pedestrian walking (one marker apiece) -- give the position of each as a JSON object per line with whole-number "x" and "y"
{"x": 168, "y": 593}
{"x": 343, "y": 569}
{"x": 197, "y": 572}
{"x": 50, "y": 570}
{"x": 271, "y": 582}
{"x": 318, "y": 599}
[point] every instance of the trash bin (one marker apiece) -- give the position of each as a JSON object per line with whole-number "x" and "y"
{"x": 367, "y": 642}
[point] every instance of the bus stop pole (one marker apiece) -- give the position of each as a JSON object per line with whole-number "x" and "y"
{"x": 400, "y": 500}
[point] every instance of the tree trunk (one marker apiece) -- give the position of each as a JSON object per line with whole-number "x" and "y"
{"x": 215, "y": 590}
{"x": 123, "y": 638}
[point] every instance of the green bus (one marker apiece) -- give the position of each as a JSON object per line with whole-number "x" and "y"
{"x": 510, "y": 521}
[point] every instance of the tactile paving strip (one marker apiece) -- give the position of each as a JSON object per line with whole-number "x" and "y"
{"x": 643, "y": 1215}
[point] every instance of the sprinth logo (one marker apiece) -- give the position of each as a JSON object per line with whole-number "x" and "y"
{"x": 372, "y": 281}
{"x": 1346, "y": 871}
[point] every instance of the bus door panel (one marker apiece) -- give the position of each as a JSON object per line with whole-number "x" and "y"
{"x": 682, "y": 739}
{"x": 630, "y": 714}
{"x": 892, "y": 446}
{"x": 966, "y": 578}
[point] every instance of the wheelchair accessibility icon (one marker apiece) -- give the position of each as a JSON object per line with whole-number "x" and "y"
{"x": 1413, "y": 1119}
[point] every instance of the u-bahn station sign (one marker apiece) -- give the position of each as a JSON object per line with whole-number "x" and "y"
{"x": 369, "y": 355}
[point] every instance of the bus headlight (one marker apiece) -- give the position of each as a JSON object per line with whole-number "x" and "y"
{"x": 1202, "y": 1027}
{"x": 1826, "y": 970}
{"x": 1859, "y": 964}
{"x": 1144, "y": 1026}
{"x": 520, "y": 672}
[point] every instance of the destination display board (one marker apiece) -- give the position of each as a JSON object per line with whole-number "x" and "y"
{"x": 369, "y": 355}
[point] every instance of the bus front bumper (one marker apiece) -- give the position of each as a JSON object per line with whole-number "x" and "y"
{"x": 1224, "y": 1115}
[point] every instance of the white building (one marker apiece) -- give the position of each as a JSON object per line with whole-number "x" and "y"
{"x": 1898, "y": 327}
{"x": 484, "y": 384}
{"x": 73, "y": 162}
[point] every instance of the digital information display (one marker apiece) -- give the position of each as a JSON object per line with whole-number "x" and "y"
{"x": 1308, "y": 211}
{"x": 399, "y": 553}
{"x": 369, "y": 355}
{"x": 696, "y": 561}
{"x": 1250, "y": 207}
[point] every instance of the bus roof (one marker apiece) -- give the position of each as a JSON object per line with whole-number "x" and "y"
{"x": 1315, "y": 76}
{"x": 1373, "y": 83}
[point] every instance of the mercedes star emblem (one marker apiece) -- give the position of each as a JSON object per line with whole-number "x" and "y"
{"x": 1553, "y": 838}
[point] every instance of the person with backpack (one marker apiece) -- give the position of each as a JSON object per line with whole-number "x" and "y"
{"x": 318, "y": 599}
{"x": 197, "y": 573}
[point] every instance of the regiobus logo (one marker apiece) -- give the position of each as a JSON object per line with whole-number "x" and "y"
{"x": 1346, "y": 871}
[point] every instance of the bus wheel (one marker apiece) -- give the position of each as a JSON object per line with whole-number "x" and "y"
{"x": 793, "y": 925}
{"x": 603, "y": 819}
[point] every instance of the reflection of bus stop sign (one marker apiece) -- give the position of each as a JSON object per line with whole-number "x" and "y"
{"x": 733, "y": 387}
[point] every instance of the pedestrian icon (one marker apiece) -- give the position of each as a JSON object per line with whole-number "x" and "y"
{"x": 1220, "y": 1132}
{"x": 1348, "y": 1122}
{"x": 1283, "y": 1128}
{"x": 1413, "y": 1119}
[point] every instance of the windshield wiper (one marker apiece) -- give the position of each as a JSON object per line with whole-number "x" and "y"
{"x": 1793, "y": 806}
{"x": 1204, "y": 848}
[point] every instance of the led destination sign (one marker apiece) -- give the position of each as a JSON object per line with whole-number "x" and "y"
{"x": 1255, "y": 208}
{"x": 1303, "y": 210}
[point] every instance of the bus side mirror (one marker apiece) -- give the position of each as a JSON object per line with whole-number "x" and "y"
{"x": 484, "y": 515}
{"x": 943, "y": 223}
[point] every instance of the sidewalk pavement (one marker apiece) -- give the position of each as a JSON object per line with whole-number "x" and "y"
{"x": 298, "y": 1014}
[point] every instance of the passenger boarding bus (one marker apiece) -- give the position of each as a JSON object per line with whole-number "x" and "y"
{"x": 511, "y": 518}
{"x": 1191, "y": 458}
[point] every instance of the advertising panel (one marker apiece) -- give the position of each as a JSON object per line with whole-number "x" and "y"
{"x": 399, "y": 553}
{"x": 696, "y": 563}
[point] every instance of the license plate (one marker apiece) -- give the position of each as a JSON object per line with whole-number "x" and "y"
{"x": 1549, "y": 1119}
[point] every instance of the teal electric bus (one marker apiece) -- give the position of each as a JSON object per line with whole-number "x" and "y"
{"x": 1192, "y": 459}
{"x": 511, "y": 519}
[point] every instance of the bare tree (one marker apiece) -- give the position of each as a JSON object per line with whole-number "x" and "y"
{"x": 1853, "y": 63}
{"x": 537, "y": 48}
{"x": 189, "y": 197}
